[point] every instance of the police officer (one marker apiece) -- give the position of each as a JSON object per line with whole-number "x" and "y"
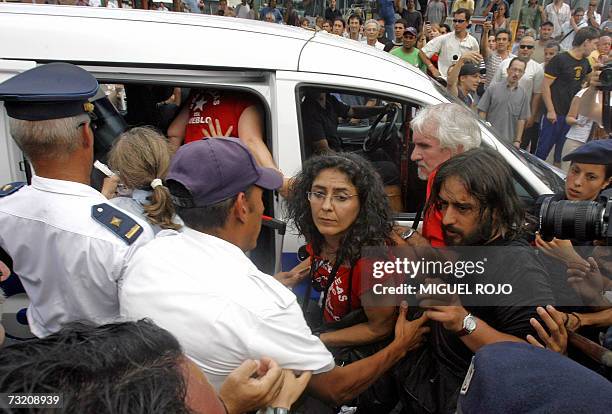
{"x": 68, "y": 245}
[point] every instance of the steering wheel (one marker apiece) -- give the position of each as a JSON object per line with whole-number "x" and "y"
{"x": 377, "y": 138}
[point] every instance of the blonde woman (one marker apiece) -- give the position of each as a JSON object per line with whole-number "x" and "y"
{"x": 141, "y": 157}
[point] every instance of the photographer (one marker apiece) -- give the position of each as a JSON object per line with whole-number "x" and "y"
{"x": 590, "y": 172}
{"x": 464, "y": 77}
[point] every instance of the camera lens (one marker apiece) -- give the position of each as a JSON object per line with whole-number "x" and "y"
{"x": 455, "y": 57}
{"x": 563, "y": 219}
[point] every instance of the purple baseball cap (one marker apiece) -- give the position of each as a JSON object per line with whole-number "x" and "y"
{"x": 216, "y": 169}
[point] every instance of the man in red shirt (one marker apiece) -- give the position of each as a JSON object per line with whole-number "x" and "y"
{"x": 439, "y": 133}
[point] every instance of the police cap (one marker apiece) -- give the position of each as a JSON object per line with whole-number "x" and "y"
{"x": 512, "y": 377}
{"x": 594, "y": 152}
{"x": 52, "y": 91}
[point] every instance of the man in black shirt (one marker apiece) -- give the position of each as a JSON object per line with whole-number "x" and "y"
{"x": 412, "y": 16}
{"x": 563, "y": 77}
{"x": 476, "y": 196}
{"x": 332, "y": 12}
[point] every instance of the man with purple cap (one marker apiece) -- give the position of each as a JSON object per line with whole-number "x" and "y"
{"x": 200, "y": 285}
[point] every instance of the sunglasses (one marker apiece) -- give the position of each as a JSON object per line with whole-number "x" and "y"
{"x": 526, "y": 46}
{"x": 459, "y": 20}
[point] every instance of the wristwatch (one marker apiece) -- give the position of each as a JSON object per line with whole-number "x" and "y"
{"x": 273, "y": 410}
{"x": 407, "y": 234}
{"x": 469, "y": 325}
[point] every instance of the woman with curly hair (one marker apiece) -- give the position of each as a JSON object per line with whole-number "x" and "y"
{"x": 338, "y": 203}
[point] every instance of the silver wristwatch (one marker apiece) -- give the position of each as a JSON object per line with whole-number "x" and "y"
{"x": 407, "y": 234}
{"x": 273, "y": 410}
{"x": 469, "y": 325}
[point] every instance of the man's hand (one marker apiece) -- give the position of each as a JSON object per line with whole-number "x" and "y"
{"x": 109, "y": 186}
{"x": 586, "y": 279}
{"x": 551, "y": 116}
{"x": 216, "y": 131}
{"x": 562, "y": 250}
{"x": 293, "y": 386}
{"x": 5, "y": 272}
{"x": 530, "y": 122}
{"x": 554, "y": 320}
{"x": 487, "y": 26}
{"x": 253, "y": 385}
{"x": 415, "y": 240}
{"x": 409, "y": 335}
{"x": 295, "y": 275}
{"x": 472, "y": 57}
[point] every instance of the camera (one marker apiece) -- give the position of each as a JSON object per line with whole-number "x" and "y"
{"x": 578, "y": 220}
{"x": 482, "y": 68}
{"x": 605, "y": 77}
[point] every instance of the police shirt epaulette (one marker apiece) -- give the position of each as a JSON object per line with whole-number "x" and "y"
{"x": 122, "y": 225}
{"x": 10, "y": 188}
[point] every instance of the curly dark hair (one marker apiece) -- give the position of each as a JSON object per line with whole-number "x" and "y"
{"x": 373, "y": 225}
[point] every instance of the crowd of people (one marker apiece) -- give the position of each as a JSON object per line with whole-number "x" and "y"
{"x": 143, "y": 297}
{"x": 531, "y": 103}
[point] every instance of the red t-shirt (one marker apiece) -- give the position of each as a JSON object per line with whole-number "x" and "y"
{"x": 432, "y": 220}
{"x": 337, "y": 302}
{"x": 206, "y": 106}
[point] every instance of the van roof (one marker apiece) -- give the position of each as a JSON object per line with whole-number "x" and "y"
{"x": 182, "y": 39}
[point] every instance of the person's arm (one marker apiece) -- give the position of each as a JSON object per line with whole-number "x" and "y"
{"x": 433, "y": 46}
{"x": 520, "y": 127}
{"x": 342, "y": 384}
{"x": 599, "y": 319}
{"x": 361, "y": 112}
{"x": 452, "y": 78}
{"x": 543, "y": 15}
{"x": 484, "y": 103}
{"x": 484, "y": 40}
{"x": 434, "y": 72}
{"x": 483, "y": 115}
{"x": 547, "y": 97}
{"x": 251, "y": 132}
{"x": 572, "y": 115}
{"x": 588, "y": 106}
{"x": 379, "y": 326}
{"x": 451, "y": 317}
{"x": 176, "y": 130}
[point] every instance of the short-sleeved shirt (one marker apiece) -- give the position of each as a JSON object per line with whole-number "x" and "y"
{"x": 530, "y": 17}
{"x": 463, "y": 4}
{"x": 411, "y": 57}
{"x": 568, "y": 74}
{"x": 538, "y": 52}
{"x": 68, "y": 262}
{"x": 206, "y": 106}
{"x": 509, "y": 314}
{"x": 219, "y": 306}
{"x": 413, "y": 19}
{"x": 531, "y": 80}
{"x": 557, "y": 18}
{"x": 436, "y": 10}
{"x": 322, "y": 123}
{"x": 492, "y": 62}
{"x": 568, "y": 32}
{"x": 505, "y": 106}
{"x": 448, "y": 45}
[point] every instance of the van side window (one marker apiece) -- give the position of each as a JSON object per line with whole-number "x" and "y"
{"x": 376, "y": 127}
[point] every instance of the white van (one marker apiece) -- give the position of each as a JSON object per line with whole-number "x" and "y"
{"x": 274, "y": 63}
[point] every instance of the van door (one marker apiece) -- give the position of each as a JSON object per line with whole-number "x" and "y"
{"x": 12, "y": 165}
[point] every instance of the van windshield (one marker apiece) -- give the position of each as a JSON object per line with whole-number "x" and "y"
{"x": 551, "y": 176}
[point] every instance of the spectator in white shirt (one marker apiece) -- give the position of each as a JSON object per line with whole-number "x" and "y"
{"x": 557, "y": 13}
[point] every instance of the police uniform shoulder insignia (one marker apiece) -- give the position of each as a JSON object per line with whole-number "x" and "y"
{"x": 122, "y": 225}
{"x": 10, "y": 188}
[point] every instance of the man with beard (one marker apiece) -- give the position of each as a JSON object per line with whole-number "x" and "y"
{"x": 439, "y": 133}
{"x": 545, "y": 36}
{"x": 475, "y": 194}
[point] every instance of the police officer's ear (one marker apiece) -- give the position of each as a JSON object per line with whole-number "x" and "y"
{"x": 87, "y": 135}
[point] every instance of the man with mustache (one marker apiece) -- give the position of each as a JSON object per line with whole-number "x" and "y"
{"x": 439, "y": 133}
{"x": 475, "y": 194}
